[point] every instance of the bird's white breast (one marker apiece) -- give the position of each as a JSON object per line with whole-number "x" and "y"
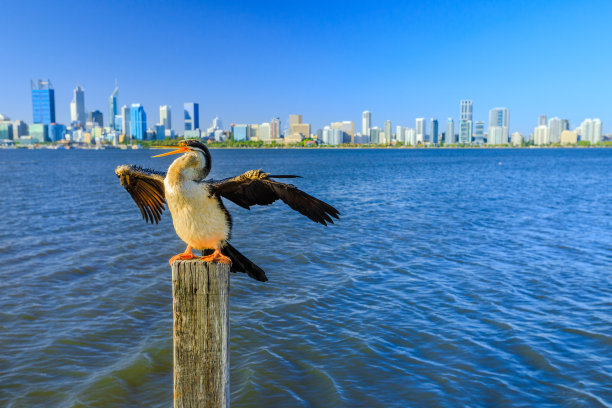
{"x": 198, "y": 218}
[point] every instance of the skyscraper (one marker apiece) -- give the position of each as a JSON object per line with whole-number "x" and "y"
{"x": 375, "y": 135}
{"x": 388, "y": 132}
{"x": 479, "y": 132}
{"x": 95, "y": 118}
{"x": 77, "y": 107}
{"x": 420, "y": 130}
{"x": 138, "y": 122}
{"x": 192, "y": 115}
{"x": 555, "y": 127}
{"x": 126, "y": 115}
{"x": 449, "y": 137}
{"x": 540, "y": 135}
{"x": 43, "y": 102}
{"x": 499, "y": 129}
{"x": 275, "y": 128}
{"x": 112, "y": 106}
{"x": 433, "y": 137}
{"x": 165, "y": 116}
{"x": 366, "y": 123}
{"x": 465, "y": 122}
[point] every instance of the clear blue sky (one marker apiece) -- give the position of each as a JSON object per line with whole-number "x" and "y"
{"x": 250, "y": 61}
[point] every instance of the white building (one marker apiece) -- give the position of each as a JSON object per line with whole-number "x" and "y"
{"x": 77, "y": 106}
{"x": 516, "y": 139}
{"x": 388, "y": 132}
{"x": 125, "y": 120}
{"x": 366, "y": 123}
{"x": 465, "y": 122}
{"x": 541, "y": 136}
{"x": 555, "y": 127}
{"x": 420, "y": 130}
{"x": 411, "y": 137}
{"x": 498, "y": 126}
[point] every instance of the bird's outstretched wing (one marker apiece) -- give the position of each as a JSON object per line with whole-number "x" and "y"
{"x": 258, "y": 188}
{"x": 146, "y": 188}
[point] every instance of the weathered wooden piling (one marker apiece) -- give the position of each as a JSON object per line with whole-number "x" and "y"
{"x": 200, "y": 305}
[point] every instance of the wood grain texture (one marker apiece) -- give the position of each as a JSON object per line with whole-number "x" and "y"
{"x": 200, "y": 305}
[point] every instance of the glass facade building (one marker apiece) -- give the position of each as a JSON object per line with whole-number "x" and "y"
{"x": 43, "y": 102}
{"x": 138, "y": 122}
{"x": 192, "y": 116}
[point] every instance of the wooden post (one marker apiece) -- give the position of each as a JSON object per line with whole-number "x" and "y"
{"x": 200, "y": 305}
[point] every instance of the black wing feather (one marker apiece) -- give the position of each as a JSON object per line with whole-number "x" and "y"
{"x": 146, "y": 187}
{"x": 258, "y": 188}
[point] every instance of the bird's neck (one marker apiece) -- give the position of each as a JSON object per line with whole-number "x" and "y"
{"x": 184, "y": 169}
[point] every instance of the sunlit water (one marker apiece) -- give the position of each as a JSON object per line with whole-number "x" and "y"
{"x": 454, "y": 278}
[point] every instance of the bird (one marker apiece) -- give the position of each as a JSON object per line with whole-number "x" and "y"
{"x": 199, "y": 215}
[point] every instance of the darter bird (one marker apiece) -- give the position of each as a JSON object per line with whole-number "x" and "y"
{"x": 198, "y": 213}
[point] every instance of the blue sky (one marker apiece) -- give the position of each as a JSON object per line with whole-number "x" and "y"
{"x": 250, "y": 61}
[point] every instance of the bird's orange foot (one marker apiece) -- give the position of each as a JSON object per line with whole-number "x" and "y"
{"x": 217, "y": 256}
{"x": 181, "y": 257}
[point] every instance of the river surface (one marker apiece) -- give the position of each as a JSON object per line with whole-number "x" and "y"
{"x": 454, "y": 278}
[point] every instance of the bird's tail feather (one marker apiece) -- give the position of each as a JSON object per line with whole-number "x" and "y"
{"x": 241, "y": 263}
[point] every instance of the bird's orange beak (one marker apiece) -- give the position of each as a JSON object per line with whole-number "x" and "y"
{"x": 181, "y": 149}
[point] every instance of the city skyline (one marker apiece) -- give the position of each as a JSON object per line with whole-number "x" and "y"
{"x": 287, "y": 47}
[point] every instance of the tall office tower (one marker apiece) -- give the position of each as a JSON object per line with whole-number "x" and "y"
{"x": 375, "y": 135}
{"x": 126, "y": 129}
{"x": 112, "y": 106}
{"x": 388, "y": 132}
{"x": 366, "y": 123}
{"x": 275, "y": 126}
{"x": 542, "y": 120}
{"x": 516, "y": 139}
{"x": 400, "y": 136}
{"x": 411, "y": 138}
{"x": 165, "y": 116}
{"x": 326, "y": 135}
{"x": 43, "y": 102}
{"x": 138, "y": 122}
{"x": 264, "y": 131}
{"x": 192, "y": 115}
{"x": 348, "y": 127}
{"x": 565, "y": 125}
{"x": 217, "y": 123}
{"x": 540, "y": 135}
{"x": 297, "y": 127}
{"x": 420, "y": 130}
{"x": 555, "y": 128}
{"x": 433, "y": 137}
{"x": 499, "y": 130}
{"x": 449, "y": 137}
{"x": 77, "y": 106}
{"x": 597, "y": 131}
{"x": 479, "y": 132}
{"x": 20, "y": 128}
{"x": 465, "y": 122}
{"x": 586, "y": 130}
{"x": 96, "y": 118}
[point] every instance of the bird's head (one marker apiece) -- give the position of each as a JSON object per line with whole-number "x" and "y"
{"x": 195, "y": 156}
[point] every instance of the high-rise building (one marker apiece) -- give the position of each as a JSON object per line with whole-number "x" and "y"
{"x": 43, "y": 102}
{"x": 433, "y": 137}
{"x": 516, "y": 139}
{"x": 217, "y": 123}
{"x": 388, "y": 132}
{"x": 95, "y": 118}
{"x": 366, "y": 123}
{"x": 296, "y": 127}
{"x": 597, "y": 131}
{"x": 411, "y": 137}
{"x": 555, "y": 127}
{"x": 348, "y": 127}
{"x": 295, "y": 120}
{"x": 565, "y": 125}
{"x": 479, "y": 132}
{"x": 465, "y": 122}
{"x": 542, "y": 120}
{"x": 590, "y": 130}
{"x": 165, "y": 116}
{"x": 400, "y": 134}
{"x": 265, "y": 131}
{"x": 449, "y": 136}
{"x": 375, "y": 135}
{"x": 420, "y": 130}
{"x": 275, "y": 126}
{"x": 125, "y": 120}
{"x": 192, "y": 115}
{"x": 499, "y": 129}
{"x": 540, "y": 135}
{"x": 77, "y": 107}
{"x": 112, "y": 106}
{"x": 20, "y": 128}
{"x": 138, "y": 122}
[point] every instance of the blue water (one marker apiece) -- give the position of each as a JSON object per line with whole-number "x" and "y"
{"x": 454, "y": 278}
